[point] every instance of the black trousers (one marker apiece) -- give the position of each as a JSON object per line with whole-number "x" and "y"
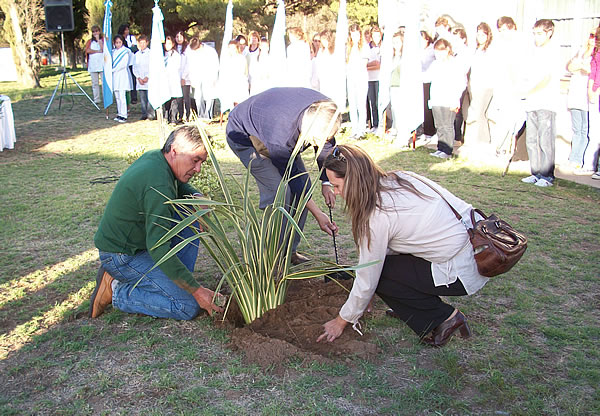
{"x": 184, "y": 104}
{"x": 406, "y": 286}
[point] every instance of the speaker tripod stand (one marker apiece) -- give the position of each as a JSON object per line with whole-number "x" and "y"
{"x": 64, "y": 84}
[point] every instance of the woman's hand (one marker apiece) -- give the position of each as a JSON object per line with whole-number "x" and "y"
{"x": 333, "y": 329}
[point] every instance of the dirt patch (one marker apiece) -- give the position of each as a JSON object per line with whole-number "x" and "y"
{"x": 291, "y": 330}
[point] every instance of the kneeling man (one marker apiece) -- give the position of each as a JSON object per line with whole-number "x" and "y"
{"x": 135, "y": 218}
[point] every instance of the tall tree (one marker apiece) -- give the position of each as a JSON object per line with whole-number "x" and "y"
{"x": 24, "y": 28}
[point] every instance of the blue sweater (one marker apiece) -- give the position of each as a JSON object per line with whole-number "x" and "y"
{"x": 275, "y": 118}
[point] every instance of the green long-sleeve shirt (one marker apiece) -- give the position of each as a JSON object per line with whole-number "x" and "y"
{"x": 131, "y": 222}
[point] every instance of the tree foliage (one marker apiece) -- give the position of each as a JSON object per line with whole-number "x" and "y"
{"x": 24, "y": 29}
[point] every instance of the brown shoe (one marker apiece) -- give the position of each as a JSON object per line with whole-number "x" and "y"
{"x": 298, "y": 258}
{"x": 444, "y": 331}
{"x": 102, "y": 296}
{"x": 390, "y": 312}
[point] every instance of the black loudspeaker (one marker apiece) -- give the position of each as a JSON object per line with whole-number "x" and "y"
{"x": 59, "y": 15}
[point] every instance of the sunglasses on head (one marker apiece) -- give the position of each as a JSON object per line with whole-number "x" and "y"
{"x": 337, "y": 154}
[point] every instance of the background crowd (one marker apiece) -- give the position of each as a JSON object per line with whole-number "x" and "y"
{"x": 479, "y": 92}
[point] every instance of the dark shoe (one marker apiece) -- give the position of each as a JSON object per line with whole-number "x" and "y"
{"x": 144, "y": 118}
{"x": 102, "y": 296}
{"x": 298, "y": 259}
{"x": 444, "y": 331}
{"x": 390, "y": 312}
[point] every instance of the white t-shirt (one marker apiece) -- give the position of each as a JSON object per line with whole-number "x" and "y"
{"x": 95, "y": 60}
{"x": 374, "y": 55}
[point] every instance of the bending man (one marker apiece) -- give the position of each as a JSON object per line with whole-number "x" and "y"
{"x": 264, "y": 130}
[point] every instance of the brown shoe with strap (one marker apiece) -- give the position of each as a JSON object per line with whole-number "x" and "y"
{"x": 102, "y": 295}
{"x": 444, "y": 331}
{"x": 298, "y": 258}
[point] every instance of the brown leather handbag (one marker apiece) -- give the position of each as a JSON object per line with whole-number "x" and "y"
{"x": 497, "y": 246}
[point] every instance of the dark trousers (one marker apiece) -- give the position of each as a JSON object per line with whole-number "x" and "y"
{"x": 428, "y": 124}
{"x": 406, "y": 286}
{"x": 184, "y": 104}
{"x": 372, "y": 104}
{"x": 170, "y": 110}
{"x": 133, "y": 91}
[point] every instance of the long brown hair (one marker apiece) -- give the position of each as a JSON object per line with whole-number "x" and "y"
{"x": 597, "y": 47}
{"x": 364, "y": 182}
{"x": 485, "y": 28}
{"x": 353, "y": 28}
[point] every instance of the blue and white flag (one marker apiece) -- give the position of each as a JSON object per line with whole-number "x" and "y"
{"x": 107, "y": 80}
{"x": 277, "y": 54}
{"x": 158, "y": 87}
{"x": 339, "y": 54}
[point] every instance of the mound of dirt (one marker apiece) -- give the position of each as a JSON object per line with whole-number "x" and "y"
{"x": 291, "y": 330}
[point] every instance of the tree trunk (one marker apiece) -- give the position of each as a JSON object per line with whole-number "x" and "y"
{"x": 23, "y": 51}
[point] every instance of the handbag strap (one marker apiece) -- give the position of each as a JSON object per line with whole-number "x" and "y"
{"x": 456, "y": 214}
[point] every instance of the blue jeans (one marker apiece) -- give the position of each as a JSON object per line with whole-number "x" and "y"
{"x": 155, "y": 294}
{"x": 579, "y": 122}
{"x": 540, "y": 139}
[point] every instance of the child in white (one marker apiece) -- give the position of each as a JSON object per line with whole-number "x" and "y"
{"x": 121, "y": 80}
{"x": 448, "y": 81}
{"x": 173, "y": 64}
{"x": 357, "y": 80}
{"x": 94, "y": 48}
{"x": 141, "y": 71}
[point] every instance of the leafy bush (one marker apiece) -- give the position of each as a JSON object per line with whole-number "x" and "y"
{"x": 255, "y": 260}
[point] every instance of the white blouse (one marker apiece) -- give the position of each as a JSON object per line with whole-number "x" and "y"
{"x": 424, "y": 227}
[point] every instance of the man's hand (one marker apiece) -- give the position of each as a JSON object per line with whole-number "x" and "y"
{"x": 322, "y": 218}
{"x": 333, "y": 329}
{"x": 204, "y": 298}
{"x": 328, "y": 195}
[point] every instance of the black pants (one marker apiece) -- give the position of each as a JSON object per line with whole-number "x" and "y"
{"x": 170, "y": 110}
{"x": 406, "y": 286}
{"x": 372, "y": 103}
{"x": 428, "y": 124}
{"x": 133, "y": 91}
{"x": 184, "y": 104}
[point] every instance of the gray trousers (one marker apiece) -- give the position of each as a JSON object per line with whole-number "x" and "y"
{"x": 540, "y": 140}
{"x": 268, "y": 178}
{"x": 444, "y": 118}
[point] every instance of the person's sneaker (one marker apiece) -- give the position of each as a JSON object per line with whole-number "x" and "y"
{"x": 122, "y": 120}
{"x": 530, "y": 179}
{"x": 596, "y": 175}
{"x": 117, "y": 118}
{"x": 435, "y": 154}
{"x": 298, "y": 258}
{"x": 443, "y": 155}
{"x": 102, "y": 295}
{"x": 144, "y": 118}
{"x": 543, "y": 183}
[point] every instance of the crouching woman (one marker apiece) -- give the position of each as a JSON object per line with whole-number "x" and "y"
{"x": 424, "y": 251}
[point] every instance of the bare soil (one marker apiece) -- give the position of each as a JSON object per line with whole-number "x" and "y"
{"x": 291, "y": 330}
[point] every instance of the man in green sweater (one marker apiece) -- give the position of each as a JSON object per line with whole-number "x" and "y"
{"x": 135, "y": 218}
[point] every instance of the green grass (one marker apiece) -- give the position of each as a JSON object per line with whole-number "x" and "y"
{"x": 536, "y": 333}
